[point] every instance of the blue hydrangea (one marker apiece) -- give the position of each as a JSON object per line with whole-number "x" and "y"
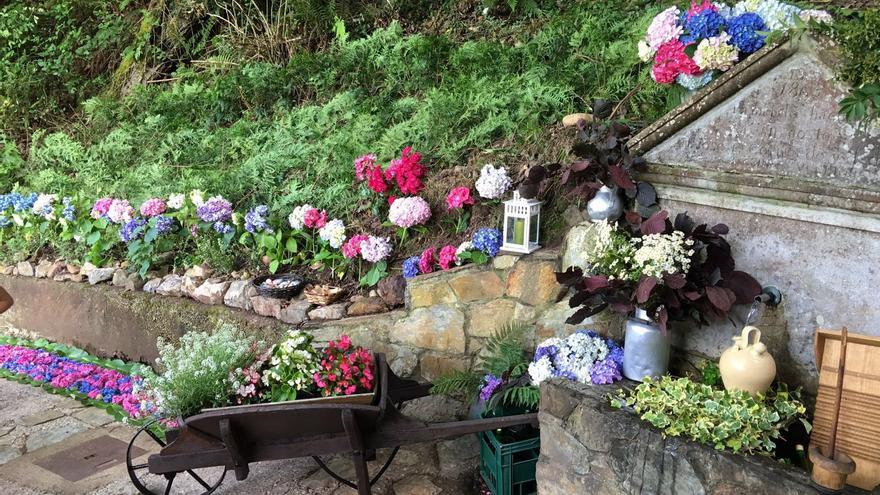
{"x": 705, "y": 24}
{"x": 132, "y": 229}
{"x": 488, "y": 241}
{"x": 164, "y": 224}
{"x": 69, "y": 211}
{"x": 256, "y": 219}
{"x": 693, "y": 83}
{"x": 4, "y": 221}
{"x": 743, "y": 31}
{"x": 222, "y": 227}
{"x": 6, "y": 201}
{"x": 23, "y": 203}
{"x": 411, "y": 267}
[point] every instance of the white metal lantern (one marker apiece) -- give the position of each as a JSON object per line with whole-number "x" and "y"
{"x": 522, "y": 224}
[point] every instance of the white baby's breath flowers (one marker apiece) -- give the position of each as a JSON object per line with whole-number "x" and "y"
{"x": 659, "y": 254}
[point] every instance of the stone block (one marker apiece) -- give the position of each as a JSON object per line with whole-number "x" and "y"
{"x": 329, "y": 312}
{"x": 42, "y": 269}
{"x": 151, "y": 285}
{"x": 190, "y": 285}
{"x": 87, "y": 268}
{"x": 266, "y": 306}
{"x": 504, "y": 261}
{"x": 477, "y": 286}
{"x": 458, "y": 456}
{"x": 439, "y": 327}
{"x": 486, "y": 318}
{"x": 239, "y": 295}
{"x": 69, "y": 277}
{"x": 367, "y": 306}
{"x": 392, "y": 290}
{"x": 433, "y": 291}
{"x": 72, "y": 268}
{"x": 296, "y": 312}
{"x": 56, "y": 269}
{"x": 533, "y": 281}
{"x": 119, "y": 277}
{"x": 199, "y": 272}
{"x": 8, "y": 270}
{"x": 432, "y": 366}
{"x": 579, "y": 241}
{"x": 211, "y": 292}
{"x": 404, "y": 362}
{"x": 99, "y": 275}
{"x": 416, "y": 485}
{"x": 25, "y": 269}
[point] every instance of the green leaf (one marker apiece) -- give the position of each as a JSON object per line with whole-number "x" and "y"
{"x": 273, "y": 266}
{"x": 92, "y": 238}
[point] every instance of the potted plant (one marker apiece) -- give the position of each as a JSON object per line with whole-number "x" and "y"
{"x": 655, "y": 271}
{"x": 500, "y": 385}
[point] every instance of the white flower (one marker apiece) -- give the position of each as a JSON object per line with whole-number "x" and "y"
{"x": 541, "y": 370}
{"x": 297, "y": 217}
{"x": 333, "y": 232}
{"x": 175, "y": 201}
{"x": 646, "y": 53}
{"x": 820, "y": 16}
{"x": 197, "y": 197}
{"x": 375, "y": 249}
{"x": 43, "y": 205}
{"x": 493, "y": 182}
{"x": 463, "y": 247}
{"x": 659, "y": 254}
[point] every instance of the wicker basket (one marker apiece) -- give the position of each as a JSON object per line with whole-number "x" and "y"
{"x": 280, "y": 293}
{"x": 322, "y": 295}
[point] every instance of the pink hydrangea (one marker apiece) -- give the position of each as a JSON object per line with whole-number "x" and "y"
{"x": 375, "y": 249}
{"x": 102, "y": 206}
{"x": 426, "y": 261}
{"x": 352, "y": 247}
{"x": 664, "y": 28}
{"x": 315, "y": 218}
{"x": 153, "y": 207}
{"x": 447, "y": 257}
{"x": 407, "y": 171}
{"x": 670, "y": 61}
{"x": 120, "y": 211}
{"x": 362, "y": 165}
{"x": 697, "y": 8}
{"x": 458, "y": 197}
{"x": 409, "y": 211}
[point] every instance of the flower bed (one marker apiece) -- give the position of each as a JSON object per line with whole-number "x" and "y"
{"x": 110, "y": 384}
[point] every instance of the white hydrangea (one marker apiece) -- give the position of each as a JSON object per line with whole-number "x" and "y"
{"x": 333, "y": 232}
{"x": 578, "y": 352}
{"x": 541, "y": 370}
{"x": 777, "y": 15}
{"x": 44, "y": 202}
{"x": 297, "y": 217}
{"x": 493, "y": 182}
{"x": 646, "y": 53}
{"x": 197, "y": 197}
{"x": 175, "y": 201}
{"x": 820, "y": 16}
{"x": 659, "y": 254}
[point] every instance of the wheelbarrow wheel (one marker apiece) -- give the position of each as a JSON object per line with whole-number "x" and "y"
{"x": 165, "y": 484}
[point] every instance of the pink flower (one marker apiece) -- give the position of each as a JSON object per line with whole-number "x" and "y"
{"x": 315, "y": 218}
{"x": 376, "y": 180}
{"x": 701, "y": 7}
{"x": 447, "y": 257}
{"x": 352, "y": 247}
{"x": 362, "y": 164}
{"x": 409, "y": 211}
{"x": 426, "y": 261}
{"x": 152, "y": 207}
{"x": 670, "y": 61}
{"x": 120, "y": 211}
{"x": 102, "y": 206}
{"x": 458, "y": 197}
{"x": 407, "y": 171}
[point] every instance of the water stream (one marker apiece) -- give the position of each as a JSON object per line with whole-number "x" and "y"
{"x": 754, "y": 313}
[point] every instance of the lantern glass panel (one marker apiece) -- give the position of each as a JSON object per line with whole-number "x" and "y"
{"x": 515, "y": 230}
{"x": 533, "y": 227}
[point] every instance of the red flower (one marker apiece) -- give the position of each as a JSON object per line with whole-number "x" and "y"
{"x": 315, "y": 218}
{"x": 458, "y": 197}
{"x": 376, "y": 180}
{"x": 670, "y": 61}
{"x": 426, "y": 261}
{"x": 407, "y": 171}
{"x": 447, "y": 257}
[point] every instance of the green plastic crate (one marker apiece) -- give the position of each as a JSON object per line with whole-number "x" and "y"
{"x": 509, "y": 468}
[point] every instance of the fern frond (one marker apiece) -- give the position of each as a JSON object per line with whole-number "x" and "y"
{"x": 503, "y": 351}
{"x": 456, "y": 383}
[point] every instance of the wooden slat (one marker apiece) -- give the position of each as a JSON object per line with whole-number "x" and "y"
{"x": 859, "y": 425}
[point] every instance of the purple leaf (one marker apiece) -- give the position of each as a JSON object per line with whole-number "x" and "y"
{"x": 570, "y": 277}
{"x": 720, "y": 298}
{"x": 620, "y": 177}
{"x": 743, "y": 285}
{"x": 595, "y": 282}
{"x": 646, "y": 286}
{"x": 674, "y": 280}
{"x": 721, "y": 229}
{"x": 656, "y": 224}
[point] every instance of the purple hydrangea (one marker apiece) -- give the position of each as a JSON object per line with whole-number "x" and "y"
{"x": 256, "y": 220}
{"x": 488, "y": 241}
{"x": 492, "y": 384}
{"x": 215, "y": 210}
{"x": 605, "y": 371}
{"x": 411, "y": 267}
{"x": 164, "y": 224}
{"x": 615, "y": 352}
{"x": 701, "y": 25}
{"x": 132, "y": 229}
{"x": 222, "y": 227}
{"x": 743, "y": 30}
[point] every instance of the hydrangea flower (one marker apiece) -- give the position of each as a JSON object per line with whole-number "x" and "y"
{"x": 776, "y": 15}
{"x": 670, "y": 61}
{"x": 488, "y": 241}
{"x": 362, "y": 165}
{"x": 222, "y": 227}
{"x": 69, "y": 210}
{"x": 693, "y": 83}
{"x": 493, "y": 182}
{"x": 214, "y": 210}
{"x": 152, "y": 207}
{"x": 464, "y": 246}
{"x": 447, "y": 257}
{"x": 376, "y": 179}
{"x": 703, "y": 24}
{"x": 605, "y": 371}
{"x": 426, "y": 261}
{"x": 375, "y": 249}
{"x": 743, "y": 30}
{"x": 197, "y": 197}
{"x": 101, "y": 207}
{"x": 43, "y": 206}
{"x": 820, "y": 16}
{"x": 333, "y": 233}
{"x": 409, "y": 211}
{"x": 176, "y": 201}
{"x": 120, "y": 211}
{"x": 164, "y": 224}
{"x": 407, "y": 171}
{"x": 255, "y": 220}
{"x": 132, "y": 229}
{"x": 646, "y": 53}
{"x": 491, "y": 384}
{"x": 663, "y": 28}
{"x": 458, "y": 197}
{"x": 716, "y": 53}
{"x": 411, "y": 267}
{"x": 21, "y": 203}
{"x": 297, "y": 218}
{"x": 352, "y": 247}
{"x": 315, "y": 218}
{"x": 583, "y": 356}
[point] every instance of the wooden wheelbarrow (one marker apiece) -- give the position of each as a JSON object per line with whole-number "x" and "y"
{"x": 231, "y": 438}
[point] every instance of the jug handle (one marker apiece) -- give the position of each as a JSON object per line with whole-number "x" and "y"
{"x": 745, "y": 336}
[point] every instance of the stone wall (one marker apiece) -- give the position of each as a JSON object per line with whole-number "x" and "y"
{"x": 600, "y": 450}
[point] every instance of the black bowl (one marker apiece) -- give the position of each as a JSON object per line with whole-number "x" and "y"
{"x": 280, "y": 293}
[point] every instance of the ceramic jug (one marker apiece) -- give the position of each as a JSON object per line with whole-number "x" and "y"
{"x": 747, "y": 367}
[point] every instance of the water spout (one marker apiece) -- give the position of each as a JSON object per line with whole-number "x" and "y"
{"x": 769, "y": 296}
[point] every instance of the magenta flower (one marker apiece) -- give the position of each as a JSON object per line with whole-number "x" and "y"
{"x": 315, "y": 218}
{"x": 447, "y": 257}
{"x": 102, "y": 206}
{"x": 362, "y": 165}
{"x": 352, "y": 247}
{"x": 458, "y": 197}
{"x": 426, "y": 261}
{"x": 153, "y": 207}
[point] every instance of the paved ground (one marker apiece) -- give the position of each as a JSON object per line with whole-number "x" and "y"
{"x": 53, "y": 445}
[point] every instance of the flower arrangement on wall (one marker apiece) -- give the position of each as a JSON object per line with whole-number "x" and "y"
{"x": 583, "y": 356}
{"x": 691, "y": 46}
